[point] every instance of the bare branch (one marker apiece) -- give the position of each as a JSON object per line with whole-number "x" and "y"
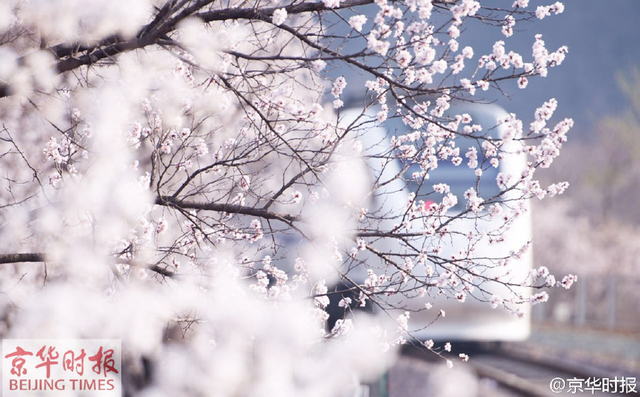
{"x": 228, "y": 208}
{"x": 18, "y": 258}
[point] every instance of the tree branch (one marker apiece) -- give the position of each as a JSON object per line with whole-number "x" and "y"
{"x": 265, "y": 14}
{"x": 40, "y": 257}
{"x": 161, "y": 26}
{"x": 229, "y": 208}
{"x": 17, "y": 258}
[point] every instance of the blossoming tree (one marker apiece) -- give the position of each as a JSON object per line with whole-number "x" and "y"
{"x": 183, "y": 175}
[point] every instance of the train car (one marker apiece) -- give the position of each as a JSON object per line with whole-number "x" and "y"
{"x": 479, "y": 317}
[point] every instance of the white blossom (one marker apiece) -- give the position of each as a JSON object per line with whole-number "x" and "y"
{"x": 279, "y": 16}
{"x": 357, "y": 22}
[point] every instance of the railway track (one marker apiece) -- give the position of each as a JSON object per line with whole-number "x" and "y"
{"x": 523, "y": 373}
{"x": 513, "y": 371}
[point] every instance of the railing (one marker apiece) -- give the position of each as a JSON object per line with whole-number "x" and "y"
{"x": 610, "y": 302}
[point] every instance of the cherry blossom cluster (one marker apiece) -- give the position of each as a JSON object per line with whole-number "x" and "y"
{"x": 544, "y": 11}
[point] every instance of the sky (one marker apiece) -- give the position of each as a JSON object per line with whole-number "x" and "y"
{"x": 603, "y": 39}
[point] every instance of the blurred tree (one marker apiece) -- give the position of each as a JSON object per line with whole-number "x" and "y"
{"x": 605, "y": 184}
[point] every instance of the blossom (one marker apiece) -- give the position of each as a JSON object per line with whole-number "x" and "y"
{"x": 296, "y": 197}
{"x": 472, "y": 155}
{"x": 550, "y": 280}
{"x": 464, "y": 8}
{"x": 495, "y": 210}
{"x": 201, "y": 148}
{"x": 316, "y": 108}
{"x": 318, "y": 65}
{"x": 458, "y": 65}
{"x": 467, "y": 52}
{"x": 403, "y": 58}
{"x": 321, "y": 299}
{"x": 403, "y": 322}
{"x": 498, "y": 49}
{"x": 381, "y": 116}
{"x": 379, "y": 46}
{"x": 453, "y": 45}
{"x": 522, "y": 82}
{"x": 484, "y": 85}
{"x": 424, "y": 76}
{"x": 439, "y": 66}
{"x": 338, "y": 86}
{"x": 426, "y": 7}
{"x": 466, "y": 83}
{"x": 495, "y": 301}
{"x": 345, "y": 302}
{"x": 454, "y": 31}
{"x": 331, "y": 3}
{"x": 54, "y": 151}
{"x": 372, "y": 85}
{"x": 245, "y": 182}
{"x": 441, "y": 188}
{"x": 475, "y": 202}
{"x": 543, "y": 11}
{"x": 161, "y": 226}
{"x": 166, "y": 146}
{"x": 357, "y": 21}
{"x": 507, "y": 28}
{"x": 539, "y": 298}
{"x": 279, "y": 16}
{"x": 567, "y": 281}
{"x": 342, "y": 327}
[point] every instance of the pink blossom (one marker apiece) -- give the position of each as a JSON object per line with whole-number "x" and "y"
{"x": 522, "y": 82}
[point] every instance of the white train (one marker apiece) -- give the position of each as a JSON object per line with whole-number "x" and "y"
{"x": 472, "y": 320}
